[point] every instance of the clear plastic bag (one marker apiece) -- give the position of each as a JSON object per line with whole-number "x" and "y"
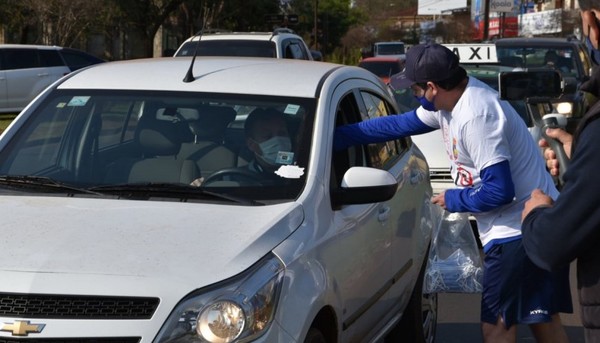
{"x": 454, "y": 264}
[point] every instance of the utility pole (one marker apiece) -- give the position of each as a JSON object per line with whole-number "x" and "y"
{"x": 316, "y": 34}
{"x": 486, "y": 20}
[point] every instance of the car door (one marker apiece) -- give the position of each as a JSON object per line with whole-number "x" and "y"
{"x": 3, "y": 84}
{"x": 27, "y": 74}
{"x": 406, "y": 206}
{"x": 363, "y": 233}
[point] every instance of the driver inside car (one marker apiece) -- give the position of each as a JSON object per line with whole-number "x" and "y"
{"x": 268, "y": 138}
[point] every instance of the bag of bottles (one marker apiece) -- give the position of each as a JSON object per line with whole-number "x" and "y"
{"x": 454, "y": 264}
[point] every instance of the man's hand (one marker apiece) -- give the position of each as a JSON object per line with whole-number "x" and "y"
{"x": 550, "y": 155}
{"x": 439, "y": 200}
{"x": 538, "y": 198}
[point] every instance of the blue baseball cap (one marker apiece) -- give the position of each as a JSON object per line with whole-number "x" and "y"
{"x": 426, "y": 62}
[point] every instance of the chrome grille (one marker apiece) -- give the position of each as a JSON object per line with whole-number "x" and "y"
{"x": 71, "y": 340}
{"x": 76, "y": 307}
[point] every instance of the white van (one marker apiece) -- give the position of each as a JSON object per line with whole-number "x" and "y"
{"x": 25, "y": 70}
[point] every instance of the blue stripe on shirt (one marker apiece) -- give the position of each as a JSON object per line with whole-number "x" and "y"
{"x": 496, "y": 189}
{"x": 380, "y": 129}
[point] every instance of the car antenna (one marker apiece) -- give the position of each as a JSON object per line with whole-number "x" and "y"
{"x": 189, "y": 76}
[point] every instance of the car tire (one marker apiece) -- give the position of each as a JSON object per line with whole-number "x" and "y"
{"x": 419, "y": 321}
{"x": 315, "y": 335}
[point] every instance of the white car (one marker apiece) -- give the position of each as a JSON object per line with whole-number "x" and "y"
{"x": 25, "y": 70}
{"x": 127, "y": 215}
{"x": 281, "y": 43}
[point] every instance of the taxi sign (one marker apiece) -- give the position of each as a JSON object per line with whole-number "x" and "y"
{"x": 474, "y": 53}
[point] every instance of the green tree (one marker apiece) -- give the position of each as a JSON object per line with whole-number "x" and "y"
{"x": 333, "y": 19}
{"x": 145, "y": 17}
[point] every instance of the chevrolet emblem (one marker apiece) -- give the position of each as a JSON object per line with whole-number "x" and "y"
{"x": 22, "y": 328}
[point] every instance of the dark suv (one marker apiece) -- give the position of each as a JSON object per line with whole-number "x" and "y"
{"x": 568, "y": 56}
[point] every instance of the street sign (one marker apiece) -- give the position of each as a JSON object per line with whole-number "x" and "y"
{"x": 501, "y": 5}
{"x": 474, "y": 53}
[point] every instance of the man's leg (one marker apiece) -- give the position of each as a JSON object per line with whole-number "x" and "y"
{"x": 552, "y": 332}
{"x": 498, "y": 333}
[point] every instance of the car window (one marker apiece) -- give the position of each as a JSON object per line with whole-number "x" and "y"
{"x": 19, "y": 59}
{"x": 230, "y": 47}
{"x": 294, "y": 49}
{"x": 77, "y": 59}
{"x": 562, "y": 58}
{"x": 98, "y": 138}
{"x": 380, "y": 155}
{"x": 50, "y": 58}
{"x": 353, "y": 108}
{"x": 381, "y": 68}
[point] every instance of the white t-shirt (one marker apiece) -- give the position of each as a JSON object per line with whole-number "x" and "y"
{"x": 483, "y": 130}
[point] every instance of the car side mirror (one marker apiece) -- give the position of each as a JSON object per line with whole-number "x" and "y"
{"x": 363, "y": 185}
{"x": 316, "y": 55}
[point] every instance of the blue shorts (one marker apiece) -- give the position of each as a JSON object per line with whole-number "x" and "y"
{"x": 519, "y": 291}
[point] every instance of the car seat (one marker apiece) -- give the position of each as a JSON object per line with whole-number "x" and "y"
{"x": 158, "y": 141}
{"x": 512, "y": 61}
{"x": 207, "y": 149}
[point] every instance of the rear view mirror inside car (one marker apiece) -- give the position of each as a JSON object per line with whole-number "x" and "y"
{"x": 520, "y": 85}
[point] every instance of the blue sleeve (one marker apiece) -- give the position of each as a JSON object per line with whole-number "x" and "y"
{"x": 380, "y": 129}
{"x": 496, "y": 189}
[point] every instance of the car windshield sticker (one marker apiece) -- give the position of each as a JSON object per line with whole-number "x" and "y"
{"x": 290, "y": 172}
{"x": 291, "y": 109}
{"x": 79, "y": 101}
{"x": 285, "y": 157}
{"x": 61, "y": 105}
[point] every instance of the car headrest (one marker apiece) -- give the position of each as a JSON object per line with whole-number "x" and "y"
{"x": 212, "y": 122}
{"x": 159, "y": 137}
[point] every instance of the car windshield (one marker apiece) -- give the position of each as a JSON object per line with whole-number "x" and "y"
{"x": 390, "y": 49}
{"x": 559, "y": 58}
{"x": 381, "y": 68}
{"x": 230, "y": 47}
{"x": 255, "y": 147}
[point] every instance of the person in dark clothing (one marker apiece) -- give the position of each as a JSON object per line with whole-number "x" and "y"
{"x": 556, "y": 233}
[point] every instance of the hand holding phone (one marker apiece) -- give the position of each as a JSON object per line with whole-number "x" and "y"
{"x": 552, "y": 121}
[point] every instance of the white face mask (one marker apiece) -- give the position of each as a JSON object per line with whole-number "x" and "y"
{"x": 272, "y": 146}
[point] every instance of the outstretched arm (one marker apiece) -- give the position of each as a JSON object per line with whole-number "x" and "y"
{"x": 381, "y": 129}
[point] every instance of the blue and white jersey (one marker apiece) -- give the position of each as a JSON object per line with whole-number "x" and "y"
{"x": 481, "y": 131}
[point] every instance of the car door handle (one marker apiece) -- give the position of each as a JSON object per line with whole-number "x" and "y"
{"x": 42, "y": 74}
{"x": 384, "y": 214}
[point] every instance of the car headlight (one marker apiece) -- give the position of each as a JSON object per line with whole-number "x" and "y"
{"x": 564, "y": 108}
{"x": 239, "y": 310}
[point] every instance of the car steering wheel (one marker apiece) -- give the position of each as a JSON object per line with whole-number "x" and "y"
{"x": 241, "y": 174}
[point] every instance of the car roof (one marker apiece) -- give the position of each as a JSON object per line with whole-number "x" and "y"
{"x": 30, "y": 46}
{"x": 234, "y": 75}
{"x": 536, "y": 41}
{"x": 381, "y": 59}
{"x": 264, "y": 36}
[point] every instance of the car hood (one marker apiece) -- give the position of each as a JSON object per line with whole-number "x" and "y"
{"x": 121, "y": 246}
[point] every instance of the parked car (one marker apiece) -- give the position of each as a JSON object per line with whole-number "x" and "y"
{"x": 281, "y": 43}
{"x": 25, "y": 70}
{"x": 567, "y": 55}
{"x": 395, "y": 49}
{"x": 384, "y": 67}
{"x": 133, "y": 213}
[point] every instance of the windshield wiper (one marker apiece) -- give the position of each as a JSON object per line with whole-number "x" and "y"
{"x": 171, "y": 190}
{"x": 41, "y": 183}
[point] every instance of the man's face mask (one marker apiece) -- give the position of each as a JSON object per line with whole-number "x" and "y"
{"x": 272, "y": 146}
{"x": 428, "y": 105}
{"x": 419, "y": 94}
